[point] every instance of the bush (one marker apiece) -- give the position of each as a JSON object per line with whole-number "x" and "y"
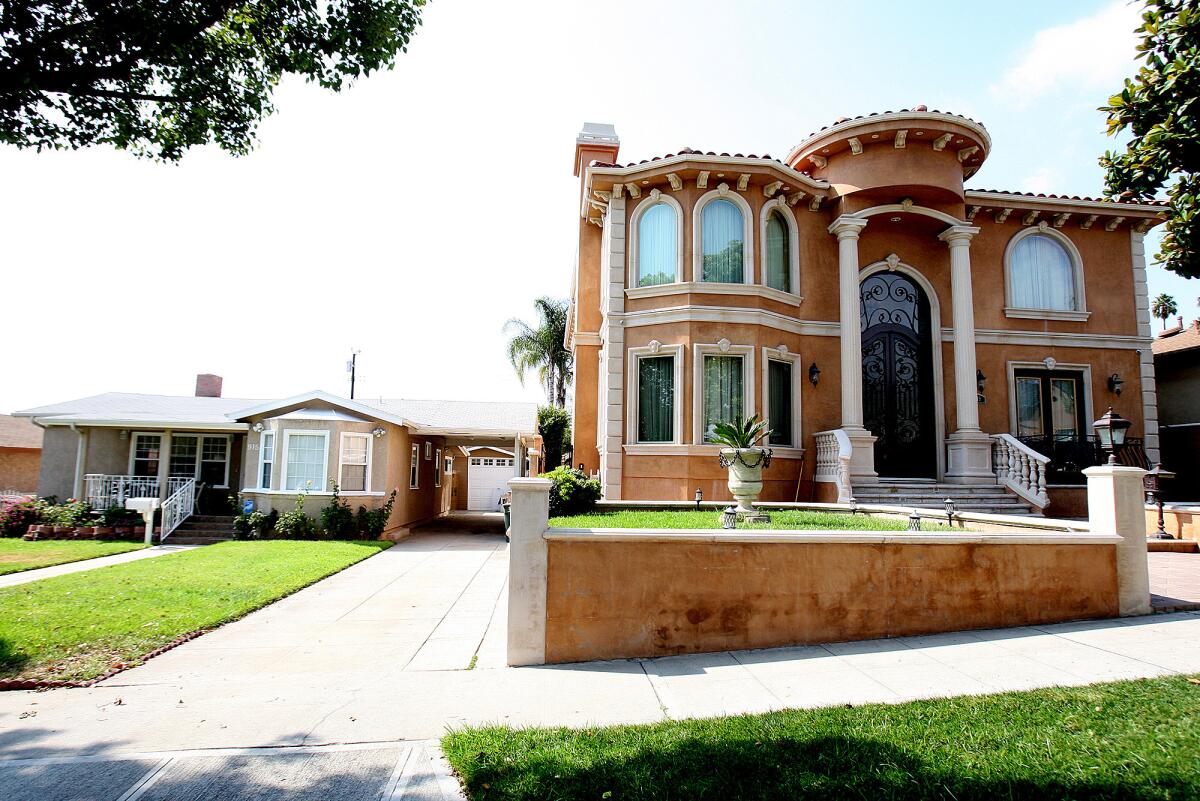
{"x": 294, "y": 524}
{"x": 337, "y": 519}
{"x": 573, "y": 493}
{"x": 16, "y": 516}
{"x": 254, "y": 526}
{"x": 554, "y": 424}
{"x": 371, "y": 523}
{"x": 71, "y": 513}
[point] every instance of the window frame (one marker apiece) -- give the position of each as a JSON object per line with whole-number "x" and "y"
{"x": 653, "y": 199}
{"x": 133, "y": 438}
{"x": 1080, "y": 312}
{"x": 288, "y": 433}
{"x": 342, "y": 459}
{"x": 1048, "y": 366}
{"x": 782, "y": 354}
{"x": 437, "y": 463}
{"x": 263, "y": 461}
{"x": 200, "y": 436}
{"x": 428, "y": 450}
{"x": 721, "y": 348}
{"x": 779, "y": 204}
{"x": 414, "y": 467}
{"x": 653, "y": 351}
{"x": 722, "y": 192}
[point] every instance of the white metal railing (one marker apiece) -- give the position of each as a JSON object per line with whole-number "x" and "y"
{"x": 1021, "y": 469}
{"x": 834, "y": 452}
{"x": 178, "y": 507}
{"x": 103, "y": 491}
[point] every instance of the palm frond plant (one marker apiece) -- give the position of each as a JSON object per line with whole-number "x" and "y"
{"x": 543, "y": 348}
{"x": 745, "y": 434}
{"x": 744, "y": 460}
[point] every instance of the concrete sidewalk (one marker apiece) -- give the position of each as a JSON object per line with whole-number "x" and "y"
{"x": 26, "y": 576}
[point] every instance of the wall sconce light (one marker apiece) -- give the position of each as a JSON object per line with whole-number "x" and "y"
{"x": 258, "y": 428}
{"x": 980, "y": 383}
{"x": 814, "y": 374}
{"x": 378, "y": 432}
{"x": 1115, "y": 382}
{"x": 699, "y": 497}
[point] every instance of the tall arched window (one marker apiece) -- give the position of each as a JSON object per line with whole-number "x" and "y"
{"x": 1041, "y": 274}
{"x": 658, "y": 244}
{"x": 778, "y": 256}
{"x": 722, "y": 242}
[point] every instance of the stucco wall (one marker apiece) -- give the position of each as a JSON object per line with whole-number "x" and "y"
{"x": 56, "y": 474}
{"x": 19, "y": 469}
{"x": 640, "y": 599}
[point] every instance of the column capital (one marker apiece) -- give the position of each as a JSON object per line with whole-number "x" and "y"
{"x": 956, "y": 234}
{"x": 846, "y": 226}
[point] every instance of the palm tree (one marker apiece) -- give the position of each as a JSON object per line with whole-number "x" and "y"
{"x": 543, "y": 348}
{"x": 1163, "y": 307}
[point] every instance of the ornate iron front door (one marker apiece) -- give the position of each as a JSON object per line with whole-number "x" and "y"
{"x": 898, "y": 376}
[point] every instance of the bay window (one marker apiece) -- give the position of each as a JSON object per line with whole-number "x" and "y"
{"x": 723, "y": 392}
{"x": 305, "y": 457}
{"x": 777, "y": 245}
{"x": 657, "y": 245}
{"x": 656, "y": 399}
{"x": 780, "y": 402}
{"x": 354, "y": 464}
{"x": 266, "y": 459}
{"x": 723, "y": 242}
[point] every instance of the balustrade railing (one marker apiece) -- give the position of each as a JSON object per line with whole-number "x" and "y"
{"x": 103, "y": 491}
{"x": 179, "y": 506}
{"x": 834, "y": 451}
{"x": 1020, "y": 468}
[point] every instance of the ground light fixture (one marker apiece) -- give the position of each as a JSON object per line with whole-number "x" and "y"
{"x": 950, "y": 511}
{"x": 914, "y": 521}
{"x": 729, "y": 517}
{"x": 1111, "y": 430}
{"x": 1152, "y": 483}
{"x": 699, "y": 497}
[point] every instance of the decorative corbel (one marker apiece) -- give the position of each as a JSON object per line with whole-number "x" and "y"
{"x": 1143, "y": 226}
{"x": 1087, "y": 221}
{"x": 770, "y": 189}
{"x": 676, "y": 181}
{"x": 941, "y": 142}
{"x": 618, "y": 191}
{"x": 1112, "y": 224}
{"x": 971, "y": 212}
{"x": 702, "y": 179}
{"x": 602, "y": 194}
{"x": 1003, "y": 215}
{"x": 743, "y": 181}
{"x": 634, "y": 191}
{"x": 1029, "y": 217}
{"x": 723, "y": 188}
{"x": 815, "y": 203}
{"x": 1061, "y": 219}
{"x": 655, "y": 193}
{"x": 893, "y": 261}
{"x": 795, "y": 198}
{"x": 819, "y": 161}
{"x": 855, "y": 145}
{"x": 901, "y": 138}
{"x": 966, "y": 153}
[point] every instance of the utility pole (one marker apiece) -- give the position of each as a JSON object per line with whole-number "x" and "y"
{"x": 351, "y": 367}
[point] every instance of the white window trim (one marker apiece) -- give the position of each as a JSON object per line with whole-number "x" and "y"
{"x": 710, "y": 288}
{"x": 133, "y": 435}
{"x": 1080, "y": 312}
{"x": 722, "y": 348}
{"x": 634, "y": 355}
{"x": 437, "y": 467}
{"x": 1011, "y": 369}
{"x": 428, "y": 450}
{"x": 655, "y": 197}
{"x": 312, "y": 432}
{"x": 414, "y": 467}
{"x": 780, "y": 204}
{"x": 166, "y": 453}
{"x": 782, "y": 354}
{"x": 342, "y": 449}
{"x": 448, "y": 465}
{"x": 722, "y": 192}
{"x": 262, "y": 462}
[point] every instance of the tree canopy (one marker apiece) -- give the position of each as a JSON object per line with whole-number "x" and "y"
{"x": 157, "y": 77}
{"x": 543, "y": 348}
{"x": 1161, "y": 108}
{"x": 1163, "y": 307}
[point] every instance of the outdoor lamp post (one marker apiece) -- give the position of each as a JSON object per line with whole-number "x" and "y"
{"x": 1111, "y": 429}
{"x": 1152, "y": 482}
{"x": 699, "y": 497}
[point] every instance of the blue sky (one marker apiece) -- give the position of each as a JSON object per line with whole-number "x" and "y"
{"x": 412, "y": 215}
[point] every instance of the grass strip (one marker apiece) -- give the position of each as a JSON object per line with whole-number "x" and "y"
{"x": 1124, "y": 740}
{"x": 79, "y": 626}
{"x": 18, "y": 555}
{"x": 791, "y": 519}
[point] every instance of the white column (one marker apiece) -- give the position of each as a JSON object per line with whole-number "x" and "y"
{"x": 81, "y": 452}
{"x": 968, "y": 449}
{"x": 862, "y": 463}
{"x": 164, "y": 465}
{"x": 1115, "y": 506}
{"x": 527, "y": 566}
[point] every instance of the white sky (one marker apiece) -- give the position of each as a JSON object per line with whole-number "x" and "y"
{"x": 412, "y": 215}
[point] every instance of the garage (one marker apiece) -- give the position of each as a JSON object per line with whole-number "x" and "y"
{"x": 487, "y": 480}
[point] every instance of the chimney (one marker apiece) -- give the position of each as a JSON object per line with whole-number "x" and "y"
{"x": 208, "y": 385}
{"x": 597, "y": 141}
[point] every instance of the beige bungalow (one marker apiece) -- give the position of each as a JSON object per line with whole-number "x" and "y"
{"x": 196, "y": 453}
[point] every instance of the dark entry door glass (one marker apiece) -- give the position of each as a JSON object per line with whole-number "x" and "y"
{"x": 897, "y": 376}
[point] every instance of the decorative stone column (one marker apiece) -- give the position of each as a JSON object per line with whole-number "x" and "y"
{"x": 968, "y": 450}
{"x": 527, "y": 564}
{"x": 1115, "y": 506}
{"x": 862, "y": 463}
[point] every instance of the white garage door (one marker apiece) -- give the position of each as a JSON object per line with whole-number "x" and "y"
{"x": 487, "y": 480}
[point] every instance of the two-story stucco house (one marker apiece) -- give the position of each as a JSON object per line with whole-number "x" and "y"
{"x": 907, "y": 337}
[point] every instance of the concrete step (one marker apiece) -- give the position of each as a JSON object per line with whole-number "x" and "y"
{"x": 985, "y": 498}
{"x": 1172, "y": 546}
{"x": 207, "y": 525}
{"x": 178, "y": 538}
{"x": 226, "y": 519}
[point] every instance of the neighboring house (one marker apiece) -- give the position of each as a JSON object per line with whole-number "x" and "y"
{"x": 108, "y": 447}
{"x": 902, "y": 334}
{"x": 20, "y": 453}
{"x": 1177, "y": 372}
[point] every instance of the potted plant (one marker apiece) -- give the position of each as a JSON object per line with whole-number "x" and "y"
{"x": 745, "y": 460}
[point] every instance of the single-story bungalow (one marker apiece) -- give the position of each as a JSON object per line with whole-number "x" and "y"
{"x": 196, "y": 452}
{"x": 20, "y": 453}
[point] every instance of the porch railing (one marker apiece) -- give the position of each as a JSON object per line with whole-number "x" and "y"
{"x": 178, "y": 507}
{"x": 1071, "y": 455}
{"x": 103, "y": 491}
{"x": 834, "y": 452}
{"x": 1021, "y": 469}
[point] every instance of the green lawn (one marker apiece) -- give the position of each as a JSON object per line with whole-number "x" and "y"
{"x": 78, "y": 626}
{"x": 780, "y": 519}
{"x": 17, "y": 555}
{"x": 1127, "y": 740}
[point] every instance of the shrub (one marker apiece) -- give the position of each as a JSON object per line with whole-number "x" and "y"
{"x": 253, "y": 526}
{"x": 337, "y": 520}
{"x": 371, "y": 523}
{"x": 554, "y": 424}
{"x": 573, "y": 493}
{"x": 71, "y": 513}
{"x": 294, "y": 524}
{"x": 16, "y": 516}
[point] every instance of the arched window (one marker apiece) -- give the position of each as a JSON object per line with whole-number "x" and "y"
{"x": 723, "y": 242}
{"x": 778, "y": 255}
{"x": 658, "y": 245}
{"x": 1041, "y": 274}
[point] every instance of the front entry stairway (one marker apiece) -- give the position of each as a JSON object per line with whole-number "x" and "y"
{"x": 987, "y": 499}
{"x": 202, "y": 530}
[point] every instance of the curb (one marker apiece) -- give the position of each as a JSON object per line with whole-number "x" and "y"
{"x": 50, "y": 684}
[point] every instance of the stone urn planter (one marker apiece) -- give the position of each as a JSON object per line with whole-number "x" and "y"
{"x": 745, "y": 466}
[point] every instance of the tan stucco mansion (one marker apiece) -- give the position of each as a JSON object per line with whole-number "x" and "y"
{"x": 897, "y": 329}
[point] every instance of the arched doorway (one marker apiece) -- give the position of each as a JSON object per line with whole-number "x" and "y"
{"x": 898, "y": 402}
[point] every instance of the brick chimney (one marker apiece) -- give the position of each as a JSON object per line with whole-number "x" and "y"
{"x": 208, "y": 385}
